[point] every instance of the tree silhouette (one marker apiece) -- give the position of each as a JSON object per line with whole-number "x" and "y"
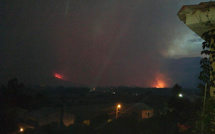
{"x": 176, "y": 90}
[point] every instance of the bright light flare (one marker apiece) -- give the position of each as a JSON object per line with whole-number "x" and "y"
{"x": 119, "y": 106}
{"x": 21, "y": 130}
{"x": 56, "y": 75}
{"x": 180, "y": 95}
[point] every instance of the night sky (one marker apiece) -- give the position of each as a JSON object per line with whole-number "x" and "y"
{"x": 94, "y": 42}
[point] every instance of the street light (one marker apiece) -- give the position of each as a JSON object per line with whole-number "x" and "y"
{"x": 117, "y": 110}
{"x": 21, "y": 130}
{"x": 118, "y": 105}
{"x": 180, "y": 95}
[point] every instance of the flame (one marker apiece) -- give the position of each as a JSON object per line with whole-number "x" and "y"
{"x": 160, "y": 81}
{"x": 160, "y": 84}
{"x": 56, "y": 75}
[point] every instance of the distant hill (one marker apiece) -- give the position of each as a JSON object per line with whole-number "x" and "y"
{"x": 184, "y": 71}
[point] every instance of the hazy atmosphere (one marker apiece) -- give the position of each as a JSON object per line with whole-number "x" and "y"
{"x": 98, "y": 43}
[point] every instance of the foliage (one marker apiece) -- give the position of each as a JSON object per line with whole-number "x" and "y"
{"x": 209, "y": 117}
{"x": 206, "y": 63}
{"x": 207, "y": 122}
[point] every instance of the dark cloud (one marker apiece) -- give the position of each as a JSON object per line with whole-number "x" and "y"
{"x": 95, "y": 43}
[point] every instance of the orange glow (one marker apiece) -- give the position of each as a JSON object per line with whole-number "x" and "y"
{"x": 119, "y": 106}
{"x": 160, "y": 84}
{"x": 160, "y": 81}
{"x": 56, "y": 75}
{"x": 21, "y": 130}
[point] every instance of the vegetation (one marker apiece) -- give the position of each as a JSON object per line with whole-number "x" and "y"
{"x": 206, "y": 124}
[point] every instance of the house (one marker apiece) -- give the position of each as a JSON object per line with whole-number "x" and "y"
{"x": 47, "y": 115}
{"x": 140, "y": 110}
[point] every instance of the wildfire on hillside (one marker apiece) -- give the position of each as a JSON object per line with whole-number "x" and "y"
{"x": 58, "y": 76}
{"x": 160, "y": 81}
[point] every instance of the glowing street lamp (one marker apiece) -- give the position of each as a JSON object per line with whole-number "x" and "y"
{"x": 117, "y": 110}
{"x": 118, "y": 105}
{"x": 180, "y": 95}
{"x": 21, "y": 130}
